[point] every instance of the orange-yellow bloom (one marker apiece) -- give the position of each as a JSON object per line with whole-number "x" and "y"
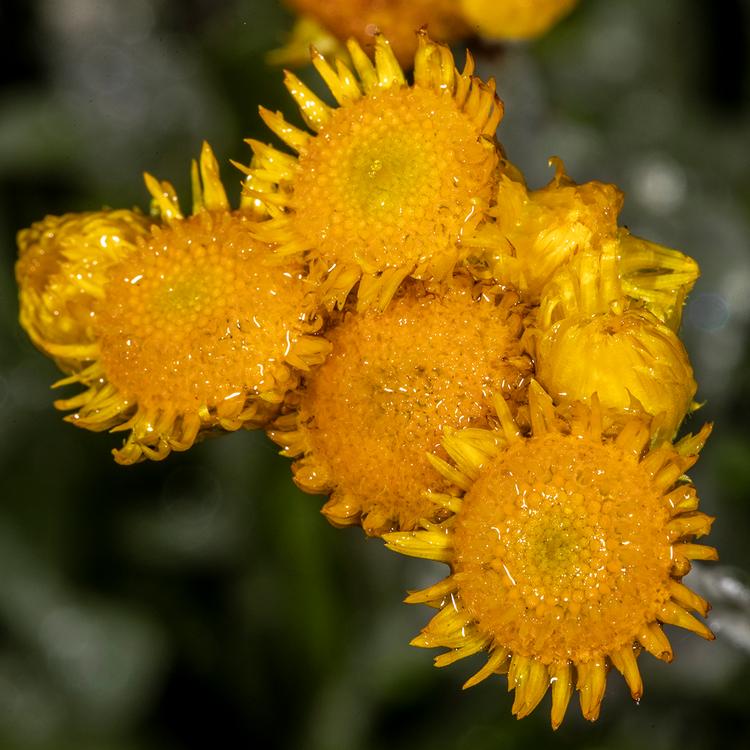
{"x": 62, "y": 262}
{"x": 627, "y": 357}
{"x": 591, "y": 339}
{"x": 198, "y": 327}
{"x": 536, "y": 232}
{"x": 514, "y": 19}
{"x": 391, "y": 179}
{"x": 367, "y": 418}
{"x": 566, "y": 550}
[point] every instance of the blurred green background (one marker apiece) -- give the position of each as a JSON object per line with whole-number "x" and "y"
{"x": 204, "y": 602}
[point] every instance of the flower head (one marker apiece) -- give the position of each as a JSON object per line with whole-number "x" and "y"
{"x": 566, "y": 552}
{"x": 536, "y": 232}
{"x": 591, "y": 338}
{"x": 514, "y": 19}
{"x": 62, "y": 262}
{"x": 367, "y": 418}
{"x": 627, "y": 357}
{"x": 390, "y": 180}
{"x": 199, "y": 327}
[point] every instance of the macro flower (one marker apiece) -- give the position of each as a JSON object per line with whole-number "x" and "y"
{"x": 398, "y": 20}
{"x": 199, "y": 327}
{"x": 62, "y": 262}
{"x": 514, "y": 19}
{"x": 366, "y": 420}
{"x": 627, "y": 357}
{"x": 566, "y": 546}
{"x": 390, "y": 180}
{"x": 591, "y": 338}
{"x": 535, "y": 232}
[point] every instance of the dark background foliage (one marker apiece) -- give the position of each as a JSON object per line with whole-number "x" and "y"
{"x": 204, "y": 601}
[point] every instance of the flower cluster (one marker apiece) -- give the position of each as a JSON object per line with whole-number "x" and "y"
{"x": 477, "y": 372}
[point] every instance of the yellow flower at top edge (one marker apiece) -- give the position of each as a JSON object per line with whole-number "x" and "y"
{"x": 566, "y": 547}
{"x": 199, "y": 327}
{"x": 367, "y": 419}
{"x": 62, "y": 261}
{"x": 390, "y": 180}
{"x": 514, "y": 19}
{"x": 397, "y": 20}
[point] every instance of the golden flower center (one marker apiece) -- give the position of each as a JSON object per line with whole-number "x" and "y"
{"x": 197, "y": 315}
{"x": 562, "y": 550}
{"x": 391, "y": 179}
{"x": 392, "y": 383}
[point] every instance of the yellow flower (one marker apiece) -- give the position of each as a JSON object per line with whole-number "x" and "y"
{"x": 398, "y": 20}
{"x": 566, "y": 552}
{"x": 535, "y": 232}
{"x": 199, "y": 327}
{"x": 368, "y": 417}
{"x": 593, "y": 339}
{"x": 391, "y": 179}
{"x": 628, "y": 357}
{"x": 514, "y": 19}
{"x": 62, "y": 262}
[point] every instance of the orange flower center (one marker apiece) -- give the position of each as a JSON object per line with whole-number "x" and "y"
{"x": 197, "y": 315}
{"x": 393, "y": 382}
{"x": 391, "y": 179}
{"x": 562, "y": 549}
